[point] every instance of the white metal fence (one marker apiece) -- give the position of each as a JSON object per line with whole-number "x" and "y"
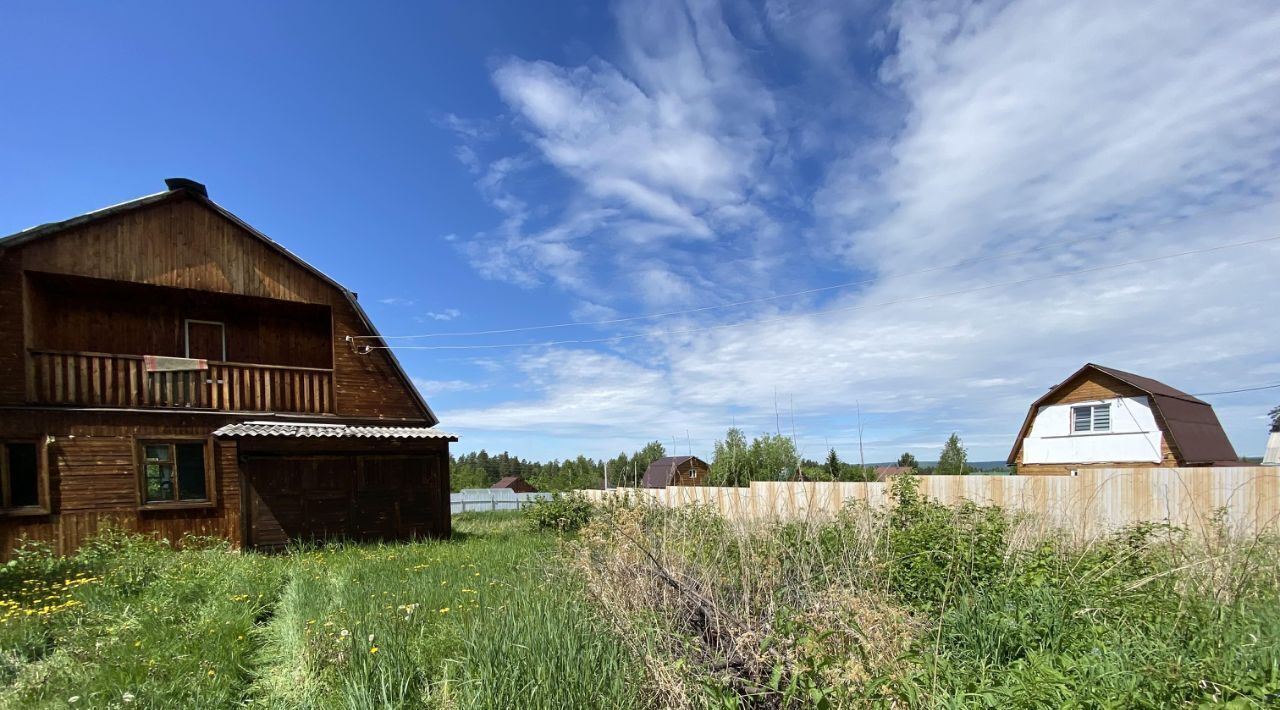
{"x": 474, "y": 500}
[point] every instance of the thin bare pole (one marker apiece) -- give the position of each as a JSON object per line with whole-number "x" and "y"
{"x": 862, "y": 461}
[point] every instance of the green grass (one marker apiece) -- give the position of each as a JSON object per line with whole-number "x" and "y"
{"x": 481, "y": 621}
{"x": 917, "y": 606}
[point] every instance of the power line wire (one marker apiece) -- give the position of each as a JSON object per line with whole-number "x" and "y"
{"x": 364, "y": 349}
{"x": 749, "y": 301}
{"x": 1246, "y": 389}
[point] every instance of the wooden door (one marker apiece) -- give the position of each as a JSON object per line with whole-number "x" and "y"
{"x": 206, "y": 340}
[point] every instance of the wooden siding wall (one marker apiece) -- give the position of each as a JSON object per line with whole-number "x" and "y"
{"x": 1092, "y": 386}
{"x": 365, "y": 385}
{"x": 180, "y": 243}
{"x": 358, "y": 495}
{"x": 683, "y": 478}
{"x": 1089, "y": 505}
{"x": 12, "y": 359}
{"x": 93, "y": 479}
{"x": 93, "y": 316}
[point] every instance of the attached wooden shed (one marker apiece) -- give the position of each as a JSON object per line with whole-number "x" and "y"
{"x": 676, "y": 471}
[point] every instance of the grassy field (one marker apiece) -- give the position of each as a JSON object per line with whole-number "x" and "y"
{"x": 640, "y": 607}
{"x": 482, "y": 621}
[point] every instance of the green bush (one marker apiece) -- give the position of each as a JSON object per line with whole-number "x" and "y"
{"x": 566, "y": 512}
{"x": 933, "y": 552}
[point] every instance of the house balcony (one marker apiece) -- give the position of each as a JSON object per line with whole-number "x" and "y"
{"x": 91, "y": 379}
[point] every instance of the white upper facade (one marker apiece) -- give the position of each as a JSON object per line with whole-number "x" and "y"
{"x": 1114, "y": 430}
{"x": 1272, "y": 457}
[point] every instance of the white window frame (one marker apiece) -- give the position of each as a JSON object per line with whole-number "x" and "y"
{"x": 1093, "y": 418}
{"x": 186, "y": 335}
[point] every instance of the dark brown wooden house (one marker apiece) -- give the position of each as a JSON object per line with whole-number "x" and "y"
{"x": 676, "y": 471}
{"x": 167, "y": 368}
{"x": 515, "y": 483}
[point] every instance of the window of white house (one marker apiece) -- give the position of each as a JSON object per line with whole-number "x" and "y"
{"x": 1091, "y": 418}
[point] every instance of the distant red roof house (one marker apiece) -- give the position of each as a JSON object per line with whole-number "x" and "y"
{"x": 515, "y": 483}
{"x": 676, "y": 471}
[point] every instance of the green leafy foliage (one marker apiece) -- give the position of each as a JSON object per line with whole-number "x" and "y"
{"x": 954, "y": 459}
{"x": 565, "y": 512}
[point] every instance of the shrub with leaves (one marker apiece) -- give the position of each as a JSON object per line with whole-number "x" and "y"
{"x": 566, "y": 512}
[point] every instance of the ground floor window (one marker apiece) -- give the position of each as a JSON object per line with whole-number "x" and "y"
{"x": 174, "y": 472}
{"x": 19, "y": 475}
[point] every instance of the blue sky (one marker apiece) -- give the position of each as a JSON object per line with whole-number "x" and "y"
{"x": 979, "y": 172}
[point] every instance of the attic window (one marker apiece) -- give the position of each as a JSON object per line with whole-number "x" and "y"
{"x": 1091, "y": 418}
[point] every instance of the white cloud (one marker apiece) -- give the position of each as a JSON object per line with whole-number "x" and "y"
{"x": 429, "y": 388}
{"x": 396, "y": 301}
{"x": 446, "y": 314}
{"x": 669, "y": 144}
{"x": 1061, "y": 136}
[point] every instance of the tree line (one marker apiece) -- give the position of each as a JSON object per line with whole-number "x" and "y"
{"x": 734, "y": 462}
{"x": 480, "y": 469}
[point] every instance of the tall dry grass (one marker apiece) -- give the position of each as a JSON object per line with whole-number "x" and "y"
{"x": 926, "y": 605}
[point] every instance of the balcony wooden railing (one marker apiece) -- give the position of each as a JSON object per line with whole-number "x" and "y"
{"x": 105, "y": 380}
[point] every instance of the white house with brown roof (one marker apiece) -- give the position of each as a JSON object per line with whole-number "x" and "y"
{"x": 1100, "y": 417}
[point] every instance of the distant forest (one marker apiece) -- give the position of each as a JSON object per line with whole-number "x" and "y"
{"x": 734, "y": 462}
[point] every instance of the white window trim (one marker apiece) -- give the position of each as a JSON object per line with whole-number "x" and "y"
{"x": 186, "y": 335}
{"x": 1093, "y": 419}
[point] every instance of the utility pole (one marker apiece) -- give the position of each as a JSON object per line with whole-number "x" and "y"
{"x": 606, "y": 474}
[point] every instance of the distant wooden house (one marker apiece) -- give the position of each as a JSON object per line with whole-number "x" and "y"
{"x": 676, "y": 471}
{"x": 1101, "y": 417}
{"x": 515, "y": 483}
{"x": 166, "y": 368}
{"x": 884, "y": 473}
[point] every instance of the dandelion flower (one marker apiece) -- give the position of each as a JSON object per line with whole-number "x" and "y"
{"x": 444, "y": 610}
{"x": 373, "y": 649}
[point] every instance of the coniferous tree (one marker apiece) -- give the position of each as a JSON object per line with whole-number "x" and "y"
{"x": 833, "y": 465}
{"x": 907, "y": 460}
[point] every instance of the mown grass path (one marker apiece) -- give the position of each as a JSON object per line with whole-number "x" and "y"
{"x": 481, "y": 621}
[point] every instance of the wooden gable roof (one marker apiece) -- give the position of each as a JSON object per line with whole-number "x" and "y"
{"x": 1190, "y": 423}
{"x": 182, "y": 189}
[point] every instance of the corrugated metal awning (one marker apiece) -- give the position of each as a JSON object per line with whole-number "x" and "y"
{"x": 331, "y": 431}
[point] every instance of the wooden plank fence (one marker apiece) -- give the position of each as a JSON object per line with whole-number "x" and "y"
{"x": 1091, "y": 504}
